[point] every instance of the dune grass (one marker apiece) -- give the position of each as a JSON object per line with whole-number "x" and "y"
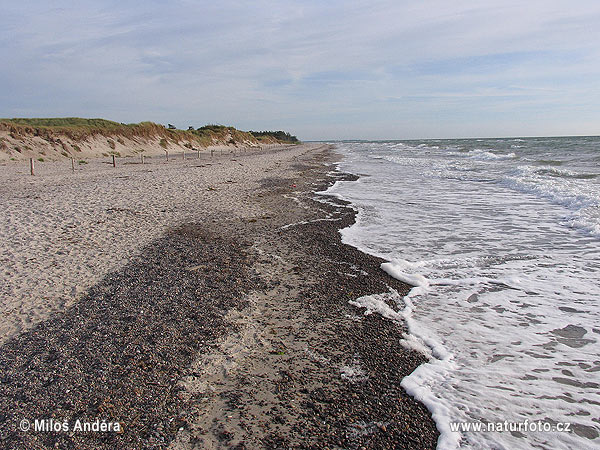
{"x": 79, "y": 129}
{"x": 65, "y": 122}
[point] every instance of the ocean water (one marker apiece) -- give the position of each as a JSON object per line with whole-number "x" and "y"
{"x": 501, "y": 239}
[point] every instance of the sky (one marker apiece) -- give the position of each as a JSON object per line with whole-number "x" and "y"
{"x": 322, "y": 70}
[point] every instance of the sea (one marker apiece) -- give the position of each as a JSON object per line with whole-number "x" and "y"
{"x": 500, "y": 239}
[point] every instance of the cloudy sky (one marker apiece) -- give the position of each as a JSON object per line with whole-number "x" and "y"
{"x": 376, "y": 69}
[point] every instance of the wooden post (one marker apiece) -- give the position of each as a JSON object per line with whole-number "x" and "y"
{"x": 72, "y": 164}
{"x": 211, "y": 152}
{"x": 31, "y": 166}
{"x": 167, "y": 155}
{"x": 143, "y": 159}
{"x": 114, "y": 161}
{"x": 198, "y": 154}
{"x": 184, "y": 155}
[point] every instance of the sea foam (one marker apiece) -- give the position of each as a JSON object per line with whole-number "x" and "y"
{"x": 504, "y": 287}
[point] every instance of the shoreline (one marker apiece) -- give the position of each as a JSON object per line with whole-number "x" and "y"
{"x": 256, "y": 345}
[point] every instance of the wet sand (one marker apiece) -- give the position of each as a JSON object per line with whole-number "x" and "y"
{"x": 227, "y": 326}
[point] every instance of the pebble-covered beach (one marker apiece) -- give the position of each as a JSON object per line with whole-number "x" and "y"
{"x": 197, "y": 304}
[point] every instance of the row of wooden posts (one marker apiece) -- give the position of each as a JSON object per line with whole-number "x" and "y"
{"x": 114, "y": 161}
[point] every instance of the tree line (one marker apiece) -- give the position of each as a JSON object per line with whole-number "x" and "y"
{"x": 280, "y": 135}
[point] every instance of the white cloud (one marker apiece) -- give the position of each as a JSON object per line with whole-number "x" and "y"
{"x": 317, "y": 68}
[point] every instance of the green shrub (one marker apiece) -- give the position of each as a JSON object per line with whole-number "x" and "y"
{"x": 212, "y": 127}
{"x": 279, "y": 135}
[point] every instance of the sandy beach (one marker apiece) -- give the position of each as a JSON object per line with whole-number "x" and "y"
{"x": 62, "y": 231}
{"x": 198, "y": 303}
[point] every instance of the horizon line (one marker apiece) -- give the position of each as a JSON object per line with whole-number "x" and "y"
{"x": 455, "y": 138}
